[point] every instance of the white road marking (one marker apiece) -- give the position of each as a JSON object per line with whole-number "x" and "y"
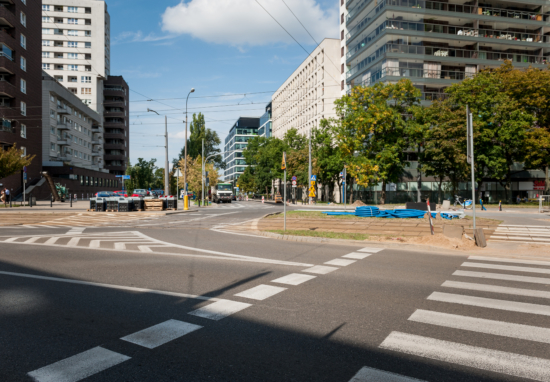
{"x": 160, "y": 334}
{"x": 480, "y": 325}
{"x": 260, "y": 292}
{"x": 121, "y": 287}
{"x": 528, "y": 226}
{"x": 356, "y": 255}
{"x": 320, "y": 269}
{"x": 516, "y": 365}
{"x": 220, "y": 309}
{"x": 78, "y": 367}
{"x": 502, "y": 260}
{"x": 144, "y": 248}
{"x": 368, "y": 374}
{"x": 32, "y": 239}
{"x": 76, "y": 230}
{"x": 506, "y": 267}
{"x": 370, "y": 249}
{"x": 120, "y": 246}
{"x": 293, "y": 279}
{"x": 496, "y": 289}
{"x": 51, "y": 240}
{"x": 340, "y": 262}
{"x": 490, "y": 303}
{"x": 73, "y": 242}
{"x": 501, "y": 276}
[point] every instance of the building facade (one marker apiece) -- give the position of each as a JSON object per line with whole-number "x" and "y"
{"x": 266, "y": 123}
{"x": 242, "y": 131}
{"x": 308, "y": 95}
{"x": 76, "y": 47}
{"x": 436, "y": 44}
{"x": 116, "y": 124}
{"x": 20, "y": 86}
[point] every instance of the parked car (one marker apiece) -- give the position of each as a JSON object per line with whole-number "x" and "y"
{"x": 121, "y": 194}
{"x": 104, "y": 194}
{"x": 138, "y": 192}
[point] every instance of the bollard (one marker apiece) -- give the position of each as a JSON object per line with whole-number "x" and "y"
{"x": 71, "y": 198}
{"x": 30, "y": 200}
{"x": 500, "y": 205}
{"x": 51, "y": 200}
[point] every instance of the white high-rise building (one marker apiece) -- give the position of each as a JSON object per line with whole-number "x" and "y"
{"x": 76, "y": 47}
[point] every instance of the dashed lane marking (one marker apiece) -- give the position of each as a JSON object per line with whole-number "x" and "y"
{"x": 480, "y": 325}
{"x": 78, "y": 367}
{"x": 340, "y": 262}
{"x": 356, "y": 255}
{"x": 260, "y": 292}
{"x": 220, "y": 309}
{"x": 370, "y": 249}
{"x": 320, "y": 269}
{"x": 293, "y": 279}
{"x": 162, "y": 333}
{"x": 367, "y": 374}
{"x": 471, "y": 356}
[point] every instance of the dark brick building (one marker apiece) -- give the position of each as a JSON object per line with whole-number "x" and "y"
{"x": 116, "y": 124}
{"x": 21, "y": 84}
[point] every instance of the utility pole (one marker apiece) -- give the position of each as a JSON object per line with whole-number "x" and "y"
{"x": 166, "y": 176}
{"x": 309, "y": 167}
{"x": 470, "y": 157}
{"x": 185, "y": 197}
{"x": 203, "y": 164}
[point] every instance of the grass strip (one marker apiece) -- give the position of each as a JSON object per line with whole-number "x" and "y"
{"x": 328, "y": 235}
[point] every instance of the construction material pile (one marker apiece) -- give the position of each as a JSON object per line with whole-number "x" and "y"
{"x": 375, "y": 212}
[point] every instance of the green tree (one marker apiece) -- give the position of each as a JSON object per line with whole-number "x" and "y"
{"x": 198, "y": 131}
{"x": 142, "y": 174}
{"x": 328, "y": 156}
{"x": 13, "y": 160}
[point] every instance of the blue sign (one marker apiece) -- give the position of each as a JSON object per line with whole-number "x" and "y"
{"x": 24, "y": 176}
{"x": 237, "y": 188}
{"x": 25, "y": 169}
{"x": 314, "y": 178}
{"x": 126, "y": 177}
{"x": 294, "y": 178}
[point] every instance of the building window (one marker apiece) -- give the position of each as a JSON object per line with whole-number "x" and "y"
{"x": 342, "y": 55}
{"x": 45, "y": 54}
{"x": 23, "y": 62}
{"x": 46, "y": 43}
{"x": 72, "y": 21}
{"x": 59, "y": 67}
{"x": 342, "y": 68}
{"x": 23, "y": 108}
{"x": 342, "y": 35}
{"x": 52, "y": 146}
{"x": 86, "y": 79}
{"x": 73, "y": 90}
{"x": 73, "y": 67}
{"x": 342, "y": 86}
{"x": 23, "y": 18}
{"x": 86, "y": 91}
{"x": 72, "y": 9}
{"x": 72, "y": 56}
{"x": 87, "y": 45}
{"x": 24, "y": 151}
{"x": 23, "y": 131}
{"x": 342, "y": 19}
{"x": 59, "y": 78}
{"x": 87, "y": 101}
{"x": 23, "y": 86}
{"x": 88, "y": 33}
{"x": 23, "y": 41}
{"x": 45, "y": 19}
{"x": 72, "y": 32}
{"x": 72, "y": 44}
{"x": 45, "y": 66}
{"x": 45, "y": 7}
{"x": 46, "y": 31}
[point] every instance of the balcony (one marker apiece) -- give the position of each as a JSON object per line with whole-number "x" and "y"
{"x": 97, "y": 142}
{"x": 421, "y": 6}
{"x": 7, "y": 16}
{"x": 447, "y": 54}
{"x": 118, "y": 157}
{"x": 63, "y": 126}
{"x": 62, "y": 110}
{"x": 96, "y": 153}
{"x": 421, "y": 74}
{"x": 7, "y": 89}
{"x": 97, "y": 129}
{"x": 63, "y": 142}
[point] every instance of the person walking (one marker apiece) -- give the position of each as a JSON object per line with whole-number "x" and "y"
{"x": 7, "y": 196}
{"x": 3, "y": 197}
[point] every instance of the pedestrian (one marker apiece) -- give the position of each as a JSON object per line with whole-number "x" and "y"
{"x": 518, "y": 199}
{"x": 7, "y": 196}
{"x": 3, "y": 197}
{"x": 482, "y": 206}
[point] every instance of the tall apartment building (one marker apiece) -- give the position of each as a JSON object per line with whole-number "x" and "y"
{"x": 116, "y": 124}
{"x": 76, "y": 47}
{"x": 308, "y": 95}
{"x": 438, "y": 43}
{"x": 266, "y": 123}
{"x": 20, "y": 85}
{"x": 241, "y": 132}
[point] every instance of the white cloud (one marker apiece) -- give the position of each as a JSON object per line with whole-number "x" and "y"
{"x": 245, "y": 23}
{"x": 126, "y": 37}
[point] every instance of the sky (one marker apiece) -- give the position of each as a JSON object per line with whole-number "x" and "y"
{"x": 226, "y": 49}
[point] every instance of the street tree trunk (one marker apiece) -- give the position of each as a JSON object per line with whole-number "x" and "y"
{"x": 383, "y": 194}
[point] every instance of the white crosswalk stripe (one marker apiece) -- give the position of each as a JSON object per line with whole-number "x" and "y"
{"x": 98, "y": 219}
{"x": 483, "y": 357}
{"x": 522, "y": 234}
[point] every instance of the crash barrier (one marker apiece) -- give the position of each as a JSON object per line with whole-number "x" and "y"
{"x": 398, "y": 213}
{"x": 120, "y": 204}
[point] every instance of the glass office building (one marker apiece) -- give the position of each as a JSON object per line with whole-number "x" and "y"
{"x": 438, "y": 43}
{"x": 242, "y": 131}
{"x": 265, "y": 123}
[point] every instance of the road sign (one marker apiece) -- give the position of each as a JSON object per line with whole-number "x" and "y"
{"x": 283, "y": 165}
{"x": 294, "y": 183}
{"x": 313, "y": 178}
{"x": 24, "y": 176}
{"x": 126, "y": 177}
{"x": 294, "y": 178}
{"x": 312, "y": 183}
{"x": 341, "y": 175}
{"x": 24, "y": 168}
{"x": 237, "y": 189}
{"x": 311, "y": 192}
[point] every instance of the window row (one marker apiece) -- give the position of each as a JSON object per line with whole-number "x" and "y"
{"x": 74, "y": 68}
{"x": 69, "y": 44}
{"x": 70, "y": 56}
{"x": 60, "y": 8}
{"x": 65, "y": 32}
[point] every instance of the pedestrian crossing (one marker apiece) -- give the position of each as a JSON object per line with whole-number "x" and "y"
{"x": 459, "y": 296}
{"x": 243, "y": 205}
{"x": 87, "y": 220}
{"x": 538, "y": 234}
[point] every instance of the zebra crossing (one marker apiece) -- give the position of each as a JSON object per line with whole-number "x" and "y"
{"x": 538, "y": 234}
{"x": 87, "y": 221}
{"x": 249, "y": 205}
{"x": 485, "y": 275}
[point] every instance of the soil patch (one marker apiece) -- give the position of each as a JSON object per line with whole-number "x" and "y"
{"x": 358, "y": 203}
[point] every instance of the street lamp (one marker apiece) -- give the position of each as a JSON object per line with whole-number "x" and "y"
{"x": 166, "y": 178}
{"x": 185, "y": 197}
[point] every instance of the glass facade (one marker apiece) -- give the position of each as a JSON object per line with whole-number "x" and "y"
{"x": 265, "y": 123}
{"x": 242, "y": 131}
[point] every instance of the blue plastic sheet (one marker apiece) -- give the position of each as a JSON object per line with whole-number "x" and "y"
{"x": 371, "y": 211}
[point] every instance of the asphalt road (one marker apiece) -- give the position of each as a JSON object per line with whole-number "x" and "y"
{"x": 179, "y": 299}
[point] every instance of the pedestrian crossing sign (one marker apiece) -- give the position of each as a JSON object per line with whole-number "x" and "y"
{"x": 312, "y": 192}
{"x": 283, "y": 165}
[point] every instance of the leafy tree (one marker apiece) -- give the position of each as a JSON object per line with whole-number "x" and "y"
{"x": 328, "y": 157}
{"x": 371, "y": 131}
{"x": 12, "y": 160}
{"x": 194, "y": 170}
{"x": 537, "y": 152}
{"x": 142, "y": 174}
{"x": 247, "y": 180}
{"x": 198, "y": 131}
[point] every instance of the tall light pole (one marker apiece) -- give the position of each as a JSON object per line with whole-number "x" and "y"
{"x": 166, "y": 178}
{"x": 185, "y": 197}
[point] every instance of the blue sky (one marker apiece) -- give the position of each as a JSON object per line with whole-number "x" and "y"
{"x": 164, "y": 48}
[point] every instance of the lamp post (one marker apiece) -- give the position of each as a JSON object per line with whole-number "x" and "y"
{"x": 166, "y": 178}
{"x": 185, "y": 197}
